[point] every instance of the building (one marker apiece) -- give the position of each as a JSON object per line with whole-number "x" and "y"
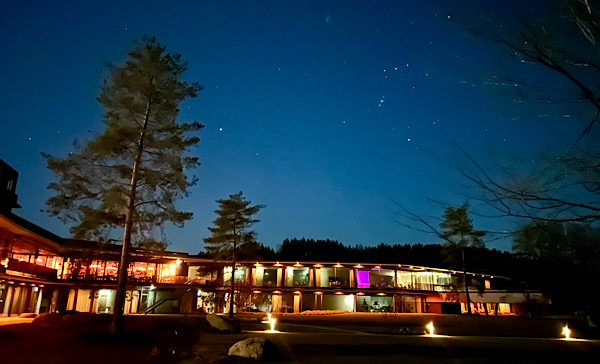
{"x": 41, "y": 272}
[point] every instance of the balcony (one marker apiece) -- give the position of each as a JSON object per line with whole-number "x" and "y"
{"x": 38, "y": 271}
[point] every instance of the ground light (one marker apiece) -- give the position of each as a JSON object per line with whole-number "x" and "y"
{"x": 268, "y": 319}
{"x": 272, "y": 324}
{"x": 567, "y": 332}
{"x": 430, "y": 329}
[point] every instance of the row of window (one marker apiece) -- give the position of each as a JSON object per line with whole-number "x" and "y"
{"x": 375, "y": 278}
{"x": 260, "y": 276}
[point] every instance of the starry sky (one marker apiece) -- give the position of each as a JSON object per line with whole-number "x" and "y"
{"x": 327, "y": 112}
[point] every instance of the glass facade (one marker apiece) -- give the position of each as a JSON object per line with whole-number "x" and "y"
{"x": 334, "y": 277}
{"x": 297, "y": 277}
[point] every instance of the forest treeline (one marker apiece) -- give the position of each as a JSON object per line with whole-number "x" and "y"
{"x": 567, "y": 283}
{"x": 483, "y": 260}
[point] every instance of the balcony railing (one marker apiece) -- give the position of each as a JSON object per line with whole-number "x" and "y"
{"x": 30, "y": 268}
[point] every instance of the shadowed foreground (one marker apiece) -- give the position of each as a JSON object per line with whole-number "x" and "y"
{"x": 347, "y": 338}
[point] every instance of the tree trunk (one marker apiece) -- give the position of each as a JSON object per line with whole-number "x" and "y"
{"x": 466, "y": 282}
{"x": 231, "y": 295}
{"x": 117, "y": 319}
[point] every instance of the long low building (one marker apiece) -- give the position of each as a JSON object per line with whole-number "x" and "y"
{"x": 41, "y": 272}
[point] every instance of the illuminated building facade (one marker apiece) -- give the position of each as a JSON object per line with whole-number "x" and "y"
{"x": 41, "y": 272}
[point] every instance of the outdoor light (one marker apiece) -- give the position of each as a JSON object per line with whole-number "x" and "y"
{"x": 430, "y": 329}
{"x": 272, "y": 324}
{"x": 178, "y": 261}
{"x": 567, "y": 332}
{"x": 152, "y": 286}
{"x": 268, "y": 321}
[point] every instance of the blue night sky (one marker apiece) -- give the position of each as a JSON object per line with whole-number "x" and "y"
{"x": 325, "y": 111}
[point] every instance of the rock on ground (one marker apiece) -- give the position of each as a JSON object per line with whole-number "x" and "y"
{"x": 223, "y": 323}
{"x": 47, "y": 319}
{"x": 255, "y": 348}
{"x": 28, "y": 315}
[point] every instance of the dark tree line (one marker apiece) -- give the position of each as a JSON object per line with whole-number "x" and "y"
{"x": 488, "y": 261}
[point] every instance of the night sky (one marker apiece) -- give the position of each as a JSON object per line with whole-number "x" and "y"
{"x": 325, "y": 111}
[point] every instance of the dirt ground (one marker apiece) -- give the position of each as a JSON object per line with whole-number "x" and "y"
{"x": 351, "y": 338}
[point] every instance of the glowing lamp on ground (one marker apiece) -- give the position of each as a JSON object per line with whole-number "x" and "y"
{"x": 273, "y": 321}
{"x": 430, "y": 329}
{"x": 566, "y": 332}
{"x": 268, "y": 320}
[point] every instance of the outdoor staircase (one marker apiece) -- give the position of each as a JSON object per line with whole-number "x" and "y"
{"x": 176, "y": 296}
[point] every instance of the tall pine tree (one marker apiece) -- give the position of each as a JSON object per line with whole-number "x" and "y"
{"x": 231, "y": 232}
{"x": 130, "y": 176}
{"x": 459, "y": 234}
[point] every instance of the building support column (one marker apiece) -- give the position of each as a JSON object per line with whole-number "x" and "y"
{"x": 92, "y": 298}
{"x": 10, "y": 292}
{"x": 38, "y": 302}
{"x": 75, "y": 295}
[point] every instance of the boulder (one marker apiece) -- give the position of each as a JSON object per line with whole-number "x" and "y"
{"x": 28, "y": 315}
{"x": 48, "y": 319}
{"x": 256, "y": 348}
{"x": 223, "y": 324}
